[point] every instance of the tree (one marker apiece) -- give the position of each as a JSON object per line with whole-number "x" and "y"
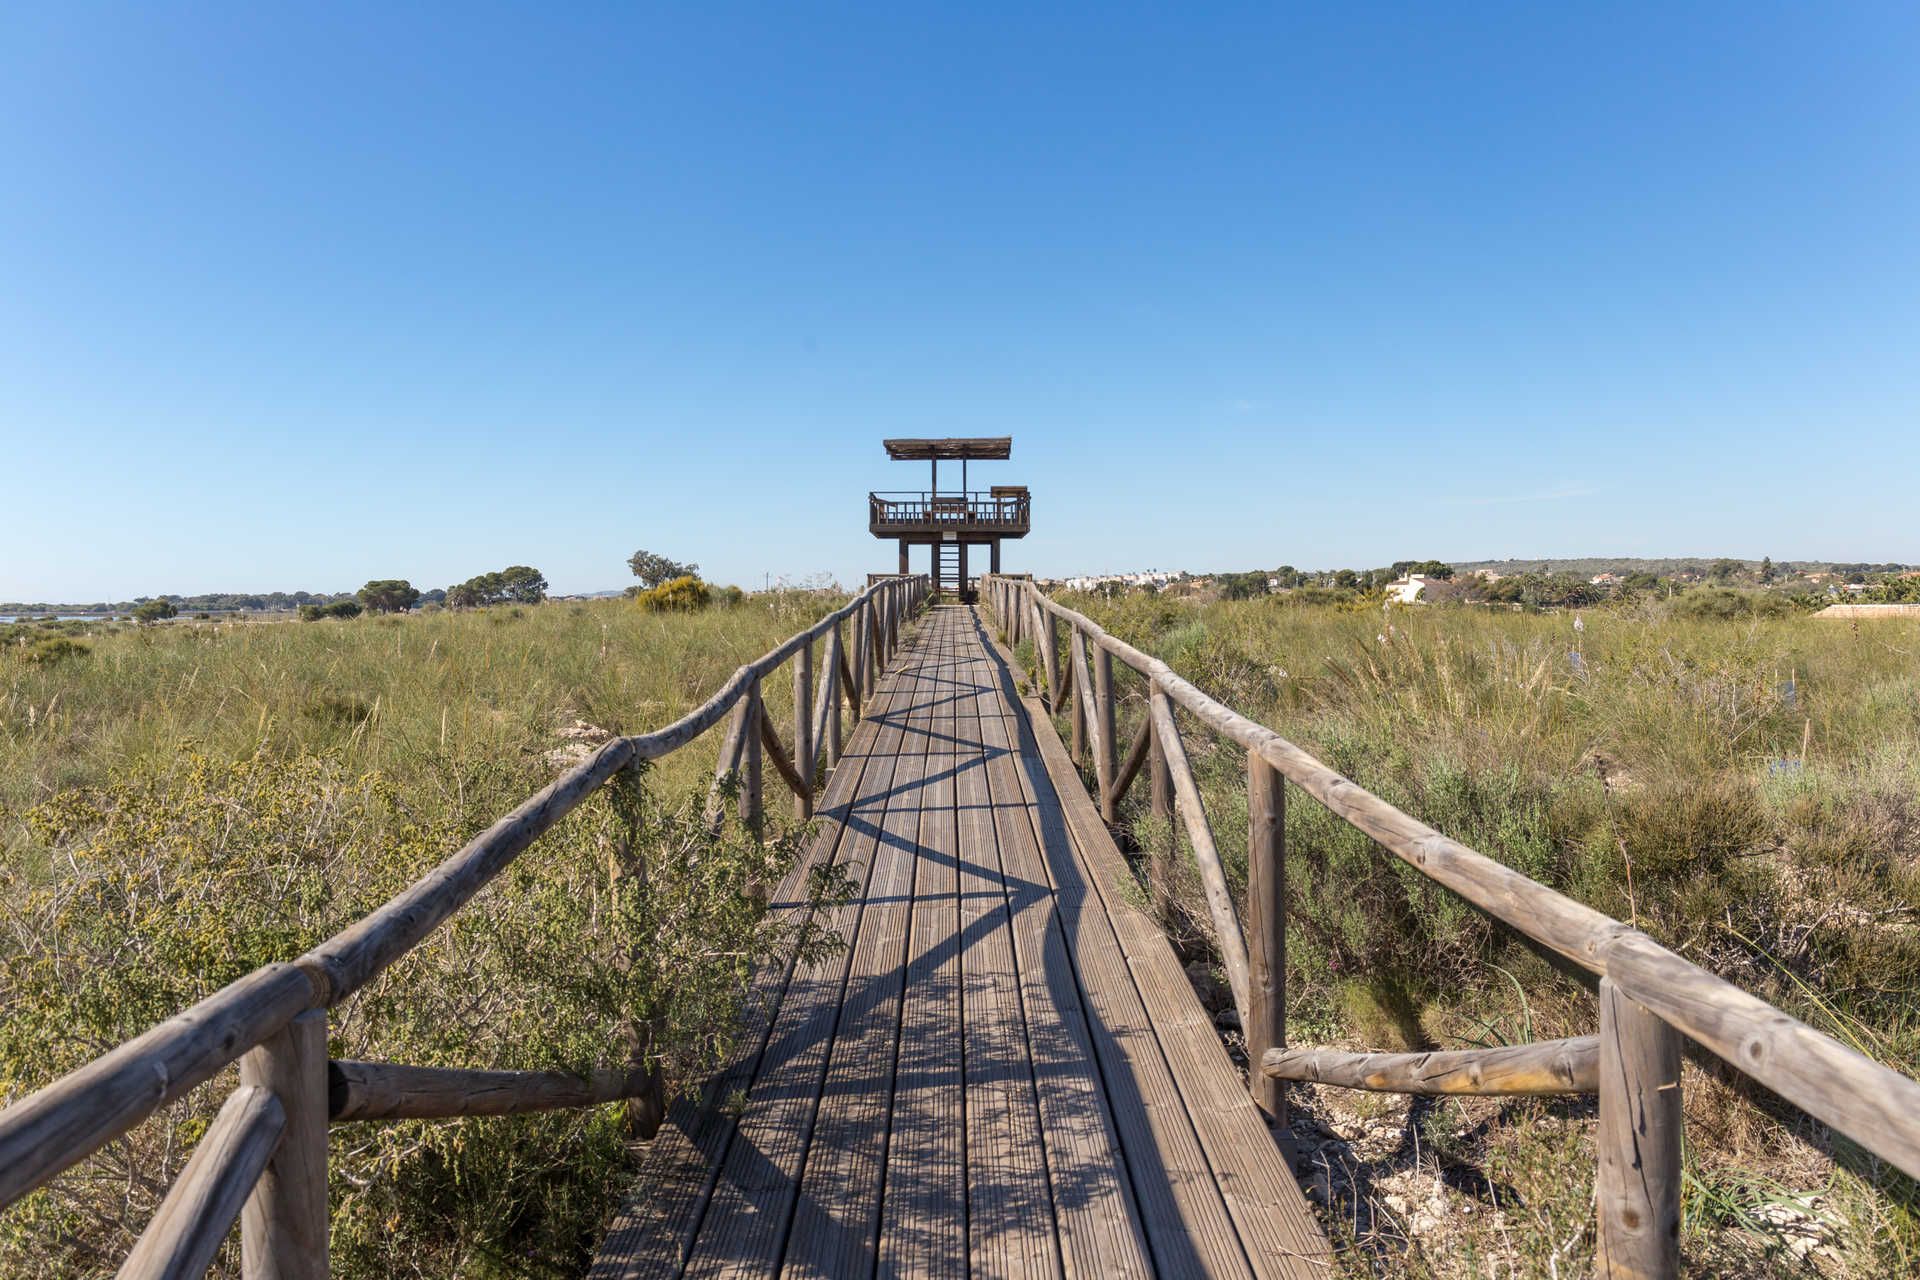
{"x": 522, "y": 584}
{"x": 1724, "y": 570}
{"x": 1767, "y": 571}
{"x": 519, "y": 584}
{"x": 389, "y": 595}
{"x": 1242, "y": 586}
{"x": 1345, "y": 578}
{"x": 153, "y": 610}
{"x": 653, "y": 570}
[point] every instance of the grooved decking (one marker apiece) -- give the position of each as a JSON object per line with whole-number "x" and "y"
{"x": 1004, "y": 1072}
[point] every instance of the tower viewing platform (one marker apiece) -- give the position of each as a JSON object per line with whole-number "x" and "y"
{"x": 953, "y": 521}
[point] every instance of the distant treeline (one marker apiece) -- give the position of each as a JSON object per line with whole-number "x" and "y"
{"x": 212, "y": 602}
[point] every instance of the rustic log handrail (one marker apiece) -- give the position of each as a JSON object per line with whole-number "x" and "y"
{"x": 1544, "y": 1067}
{"x": 274, "y": 1017}
{"x": 1650, "y": 995}
{"x": 388, "y": 1091}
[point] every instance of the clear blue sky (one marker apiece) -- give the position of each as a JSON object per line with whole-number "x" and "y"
{"x": 292, "y": 297}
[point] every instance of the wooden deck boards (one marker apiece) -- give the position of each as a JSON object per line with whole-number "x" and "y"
{"x": 1004, "y": 1073}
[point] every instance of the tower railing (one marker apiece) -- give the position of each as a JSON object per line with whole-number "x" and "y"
{"x": 982, "y": 510}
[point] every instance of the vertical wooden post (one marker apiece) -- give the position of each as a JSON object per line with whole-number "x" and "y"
{"x": 903, "y": 555}
{"x": 1052, "y": 629}
{"x": 835, "y": 660}
{"x": 1638, "y": 1184}
{"x": 993, "y": 556}
{"x": 1160, "y": 857}
{"x": 752, "y": 816}
{"x": 871, "y": 666}
{"x": 1104, "y": 764}
{"x": 283, "y": 1228}
{"x": 963, "y": 571}
{"x": 803, "y": 729}
{"x": 1082, "y": 694}
{"x": 1266, "y": 928}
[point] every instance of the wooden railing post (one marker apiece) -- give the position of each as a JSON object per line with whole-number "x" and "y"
{"x": 874, "y": 661}
{"x": 803, "y": 729}
{"x": 283, "y": 1228}
{"x": 1266, "y": 928}
{"x": 752, "y": 815}
{"x": 1160, "y": 857}
{"x": 1082, "y": 693}
{"x": 1104, "y": 762}
{"x": 1052, "y": 664}
{"x": 1638, "y": 1184}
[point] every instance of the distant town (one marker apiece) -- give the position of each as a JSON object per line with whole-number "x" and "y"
{"x": 1540, "y": 583}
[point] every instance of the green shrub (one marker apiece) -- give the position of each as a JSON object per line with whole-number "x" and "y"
{"x": 684, "y": 594}
{"x": 1728, "y": 603}
{"x": 627, "y": 924}
{"x": 55, "y": 649}
{"x": 338, "y": 609}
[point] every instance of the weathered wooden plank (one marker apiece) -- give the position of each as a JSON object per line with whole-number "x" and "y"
{"x": 1010, "y": 1215}
{"x": 186, "y": 1232}
{"x": 840, "y": 1189}
{"x": 1097, "y": 1215}
{"x": 923, "y": 1227}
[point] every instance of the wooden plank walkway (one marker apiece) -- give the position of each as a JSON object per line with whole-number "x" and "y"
{"x": 1004, "y": 1073}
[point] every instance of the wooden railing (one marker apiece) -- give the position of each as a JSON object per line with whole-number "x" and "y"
{"x": 1649, "y": 997}
{"x": 264, "y": 1158}
{"x": 915, "y": 510}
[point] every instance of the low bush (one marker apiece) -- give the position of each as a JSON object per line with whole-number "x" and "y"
{"x": 677, "y": 595}
{"x": 55, "y": 649}
{"x": 338, "y": 609}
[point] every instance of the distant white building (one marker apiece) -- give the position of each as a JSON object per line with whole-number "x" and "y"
{"x": 1407, "y": 590}
{"x": 1155, "y": 578}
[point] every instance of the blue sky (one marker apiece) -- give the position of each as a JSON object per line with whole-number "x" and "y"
{"x": 293, "y": 297}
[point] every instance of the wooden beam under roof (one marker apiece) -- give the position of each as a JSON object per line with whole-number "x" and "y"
{"x": 972, "y": 449}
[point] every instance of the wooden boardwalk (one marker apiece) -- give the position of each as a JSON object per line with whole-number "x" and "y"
{"x": 1004, "y": 1073}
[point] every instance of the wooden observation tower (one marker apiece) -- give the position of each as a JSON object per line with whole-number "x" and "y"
{"x": 953, "y": 521}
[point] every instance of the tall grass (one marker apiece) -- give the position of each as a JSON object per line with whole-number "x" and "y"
{"x": 180, "y": 804}
{"x": 1746, "y": 790}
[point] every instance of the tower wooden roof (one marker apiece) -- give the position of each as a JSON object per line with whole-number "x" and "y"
{"x": 971, "y": 448}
